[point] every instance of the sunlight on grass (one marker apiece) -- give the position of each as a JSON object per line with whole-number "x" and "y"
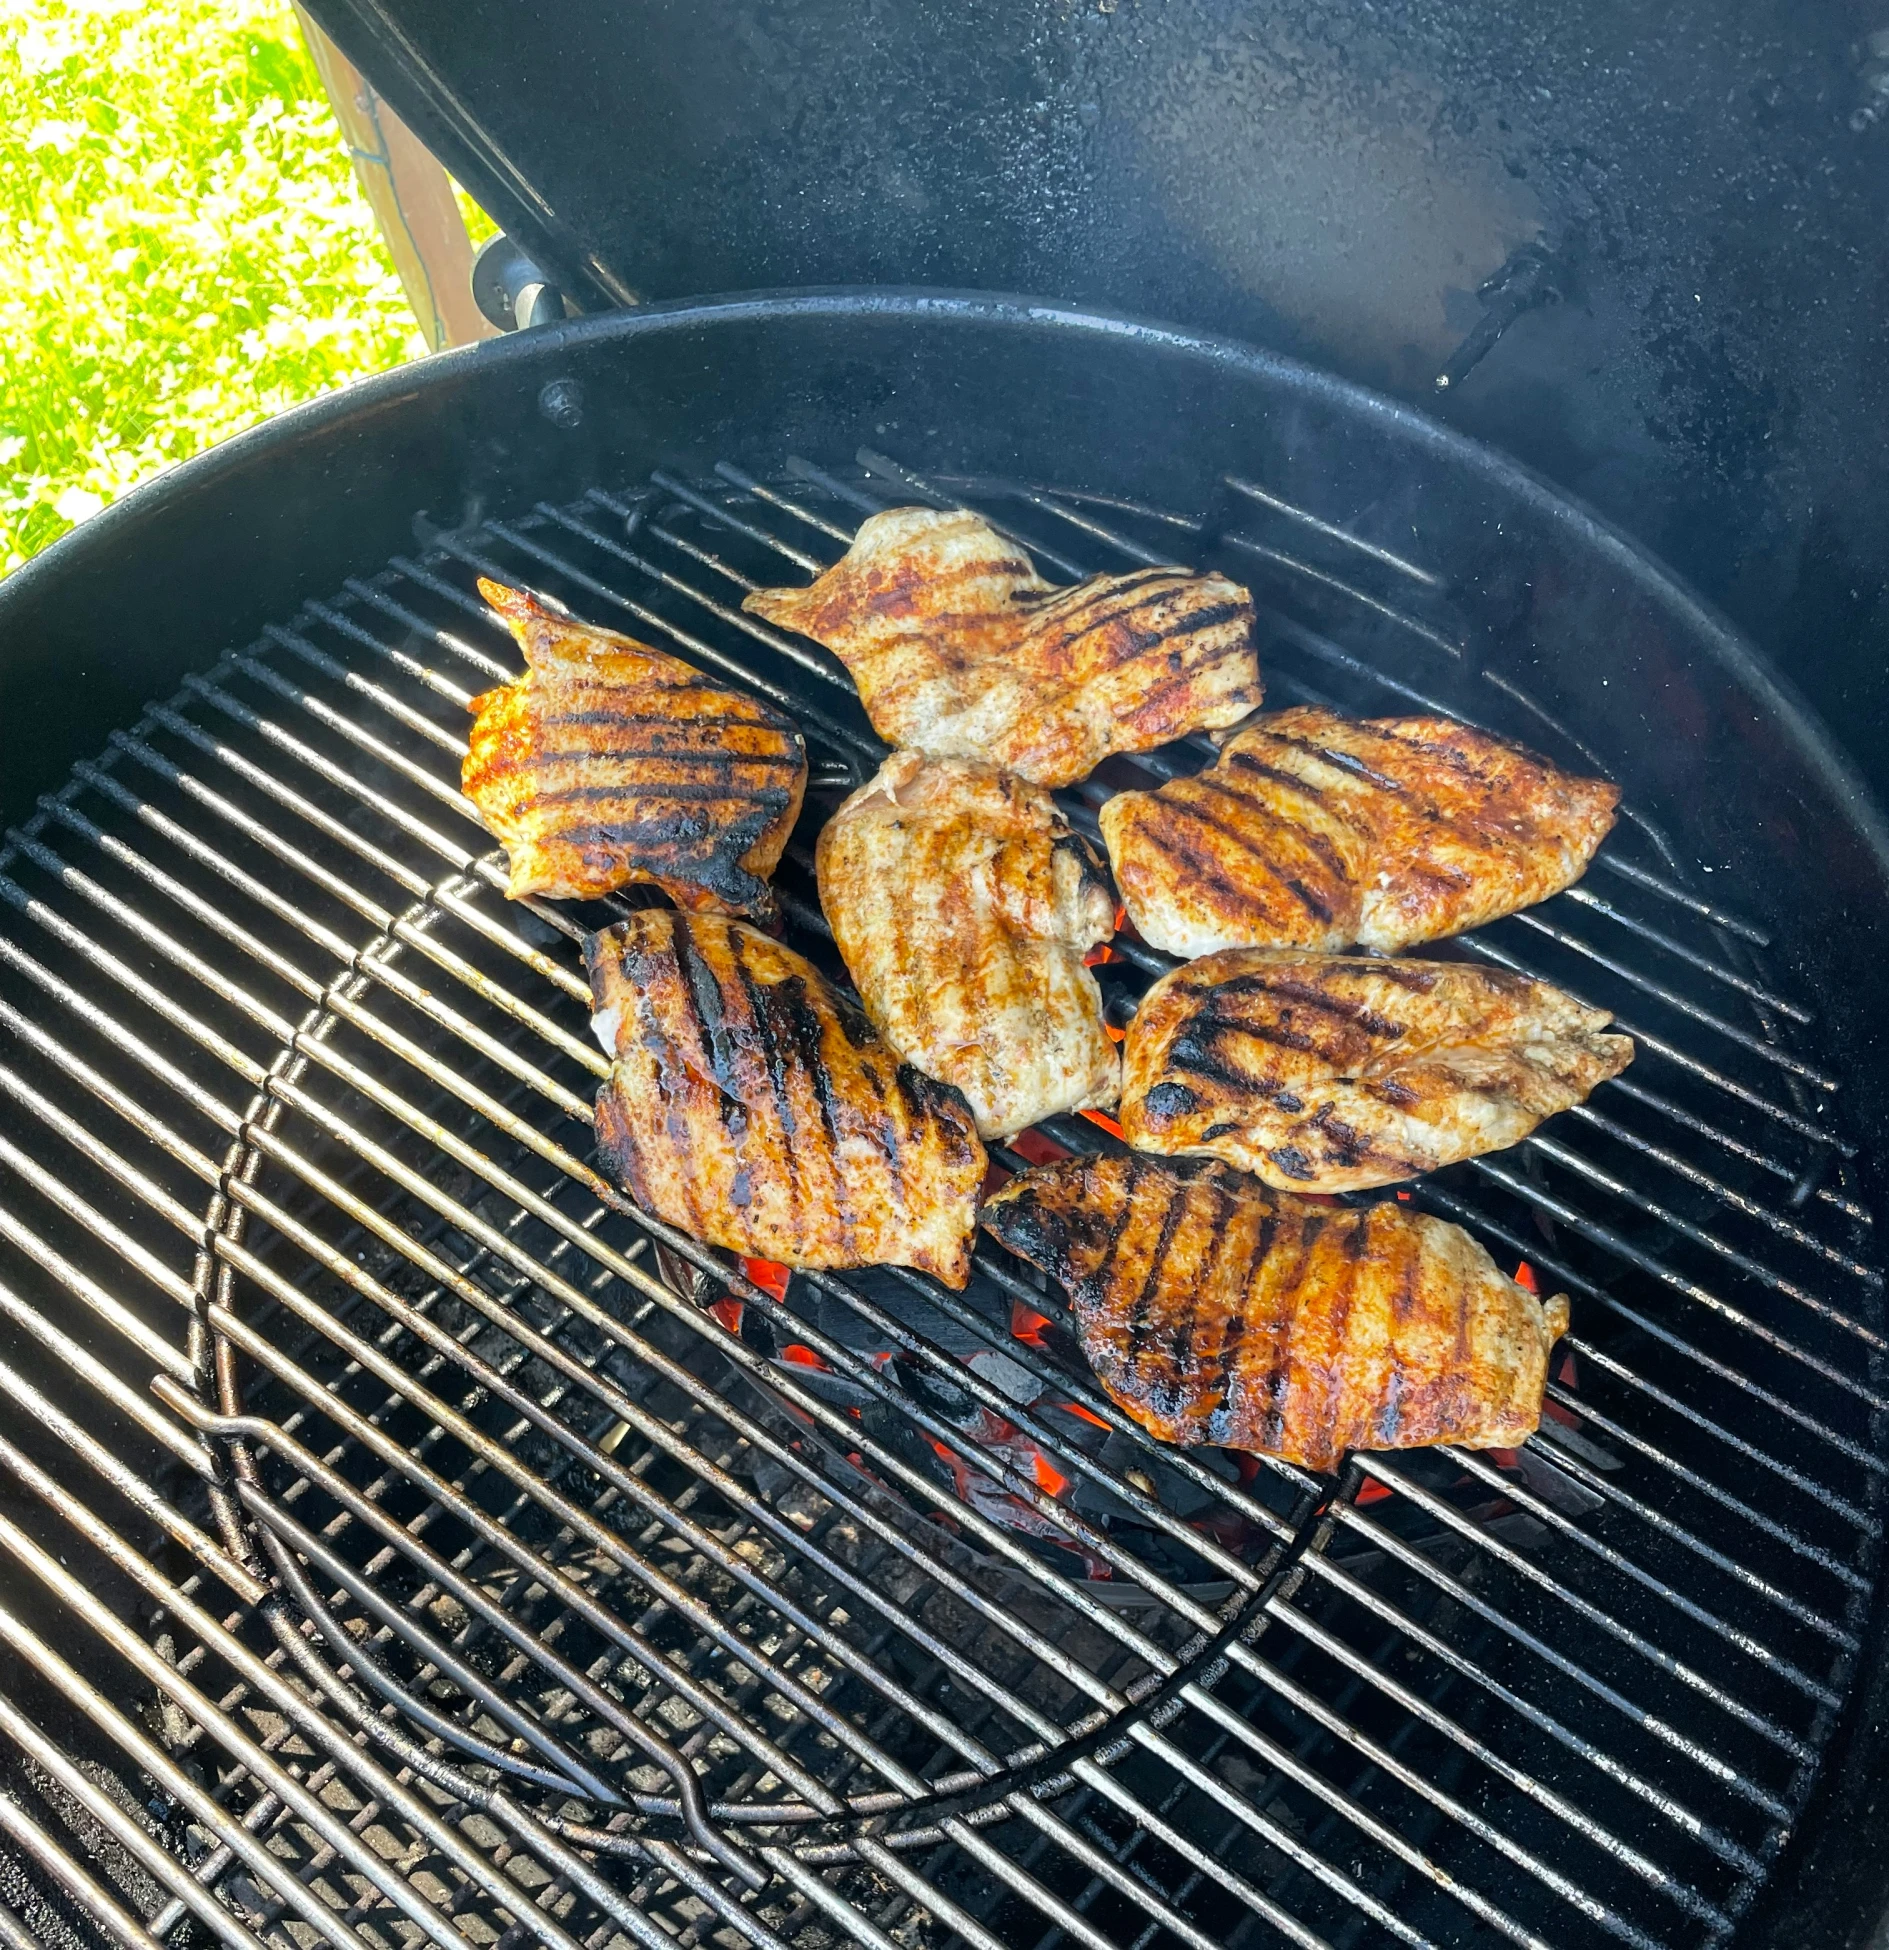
{"x": 183, "y": 247}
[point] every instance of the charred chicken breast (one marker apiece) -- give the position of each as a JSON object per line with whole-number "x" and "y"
{"x": 1216, "y": 1311}
{"x": 961, "y": 650}
{"x": 962, "y": 905}
{"x": 1317, "y": 831}
{"x": 1332, "y": 1073}
{"x": 750, "y": 1104}
{"x": 609, "y": 763}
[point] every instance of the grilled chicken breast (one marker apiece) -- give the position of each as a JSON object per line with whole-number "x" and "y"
{"x": 961, "y": 650}
{"x": 1216, "y": 1311}
{"x": 609, "y": 763}
{"x": 1331, "y": 1073}
{"x": 750, "y": 1104}
{"x": 962, "y": 905}
{"x": 1317, "y": 831}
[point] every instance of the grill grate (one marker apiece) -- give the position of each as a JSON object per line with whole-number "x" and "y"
{"x": 461, "y": 1575}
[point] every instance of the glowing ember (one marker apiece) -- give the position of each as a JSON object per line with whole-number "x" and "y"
{"x": 768, "y": 1276}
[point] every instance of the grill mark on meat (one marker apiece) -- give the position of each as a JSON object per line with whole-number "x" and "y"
{"x": 1191, "y": 1054}
{"x": 1186, "y": 675}
{"x": 1278, "y": 1351}
{"x": 1111, "y": 1245}
{"x": 1436, "y": 875}
{"x": 710, "y": 1006}
{"x": 1208, "y": 1401}
{"x": 1209, "y": 871}
{"x": 799, "y": 1197}
{"x": 1170, "y": 1100}
{"x": 1456, "y": 1375}
{"x": 768, "y": 801}
{"x": 796, "y": 1021}
{"x": 1289, "y": 781}
{"x": 1342, "y": 761}
{"x": 736, "y": 772}
{"x": 1099, "y": 602}
{"x": 1394, "y": 733}
{"x": 1344, "y": 1145}
{"x": 1235, "y": 1341}
{"x": 1275, "y": 1033}
{"x": 1305, "y": 995}
{"x": 1201, "y": 871}
{"x": 1137, "y": 1333}
{"x": 1352, "y": 1244}
{"x": 1314, "y": 903}
{"x": 614, "y": 718}
{"x": 1185, "y": 632}
{"x": 1416, "y": 976}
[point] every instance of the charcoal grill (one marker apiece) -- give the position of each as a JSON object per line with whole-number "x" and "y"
{"x": 408, "y": 1540}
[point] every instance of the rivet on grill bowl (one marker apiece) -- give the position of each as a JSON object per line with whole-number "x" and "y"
{"x": 561, "y": 401}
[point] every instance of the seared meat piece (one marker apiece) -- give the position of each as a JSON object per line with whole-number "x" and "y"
{"x": 1330, "y": 1073}
{"x": 1316, "y": 831}
{"x": 608, "y": 763}
{"x": 961, "y": 650}
{"x": 1216, "y": 1311}
{"x": 962, "y": 905}
{"x": 750, "y": 1104}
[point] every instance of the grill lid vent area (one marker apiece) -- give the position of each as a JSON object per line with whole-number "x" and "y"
{"x": 411, "y": 1540}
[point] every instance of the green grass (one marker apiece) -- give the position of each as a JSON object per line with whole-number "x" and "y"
{"x": 183, "y": 246}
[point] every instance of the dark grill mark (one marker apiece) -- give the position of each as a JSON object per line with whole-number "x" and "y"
{"x": 786, "y": 1124}
{"x": 1207, "y": 869}
{"x": 1344, "y": 761}
{"x": 768, "y": 801}
{"x": 1276, "y": 1033}
{"x": 1307, "y": 898}
{"x": 1191, "y": 623}
{"x": 1406, "y": 976}
{"x": 1288, "y": 781}
{"x": 1307, "y": 996}
{"x": 1210, "y": 1286}
{"x": 1169, "y": 1100}
{"x": 1190, "y": 1053}
{"x": 612, "y": 718}
{"x": 1272, "y": 1419}
{"x": 1202, "y": 870}
{"x": 1344, "y": 1145}
{"x": 1138, "y": 1312}
{"x": 710, "y": 1006}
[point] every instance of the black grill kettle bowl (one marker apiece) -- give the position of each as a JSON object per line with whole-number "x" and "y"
{"x": 393, "y": 1553}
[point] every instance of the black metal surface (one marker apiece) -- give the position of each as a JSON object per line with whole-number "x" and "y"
{"x": 1557, "y": 608}
{"x": 1705, "y": 184}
